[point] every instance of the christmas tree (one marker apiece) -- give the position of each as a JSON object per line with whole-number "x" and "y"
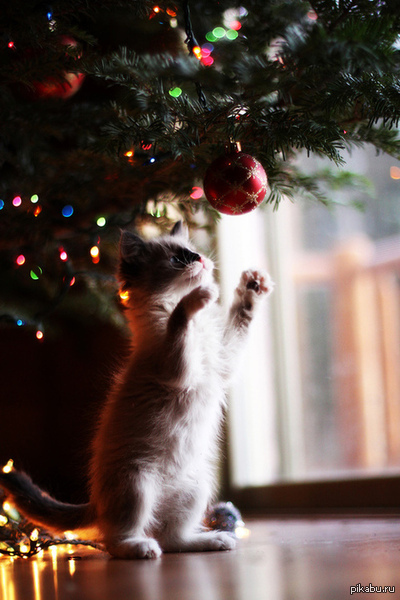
{"x": 112, "y": 111}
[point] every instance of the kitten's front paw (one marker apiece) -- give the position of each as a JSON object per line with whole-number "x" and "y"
{"x": 199, "y": 298}
{"x": 253, "y": 286}
{"x": 259, "y": 281}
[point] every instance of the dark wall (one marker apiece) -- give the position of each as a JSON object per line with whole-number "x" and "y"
{"x": 50, "y": 395}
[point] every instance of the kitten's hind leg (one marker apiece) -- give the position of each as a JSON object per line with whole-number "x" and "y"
{"x": 126, "y": 516}
{"x": 183, "y": 527}
{"x": 207, "y": 541}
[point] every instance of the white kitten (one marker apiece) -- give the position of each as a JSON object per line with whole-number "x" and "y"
{"x": 152, "y": 474}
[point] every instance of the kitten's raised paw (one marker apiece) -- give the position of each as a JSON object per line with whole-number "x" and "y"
{"x": 199, "y": 298}
{"x": 258, "y": 281}
{"x": 133, "y": 548}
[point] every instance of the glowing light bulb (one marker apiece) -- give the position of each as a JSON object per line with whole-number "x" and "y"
{"x": 34, "y": 198}
{"x": 196, "y": 193}
{"x": 101, "y": 221}
{"x": 207, "y": 61}
{"x": 34, "y": 535}
{"x": 95, "y": 254}
{"x": 175, "y": 93}
{"x": 206, "y": 50}
{"x": 38, "y": 210}
{"x": 20, "y": 260}
{"x": 71, "y": 283}
{"x": 67, "y": 211}
{"x": 17, "y": 201}
{"x": 124, "y": 296}
{"x": 197, "y": 52}
{"x": 63, "y": 255}
{"x": 11, "y": 45}
{"x": 3, "y": 520}
{"x": 19, "y": 323}
{"x": 129, "y": 153}
{"x": 395, "y": 172}
{"x": 219, "y": 32}
{"x": 39, "y": 334}
{"x": 1, "y": 204}
{"x": 35, "y": 273}
{"x": 24, "y": 548}
{"x": 171, "y": 12}
{"x": 231, "y": 34}
{"x": 7, "y": 506}
{"x": 236, "y": 25}
{"x": 8, "y": 467}
{"x": 156, "y": 9}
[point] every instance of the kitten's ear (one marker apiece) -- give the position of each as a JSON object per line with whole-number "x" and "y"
{"x": 131, "y": 246}
{"x": 180, "y": 230}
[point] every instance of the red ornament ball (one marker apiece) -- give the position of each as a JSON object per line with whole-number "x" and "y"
{"x": 59, "y": 89}
{"x": 235, "y": 183}
{"x": 54, "y": 88}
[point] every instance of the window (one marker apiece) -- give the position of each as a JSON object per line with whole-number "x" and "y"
{"x": 318, "y": 398}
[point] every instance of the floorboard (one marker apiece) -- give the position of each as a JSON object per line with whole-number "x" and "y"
{"x": 281, "y": 559}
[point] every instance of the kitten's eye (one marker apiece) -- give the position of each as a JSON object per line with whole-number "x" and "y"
{"x": 184, "y": 258}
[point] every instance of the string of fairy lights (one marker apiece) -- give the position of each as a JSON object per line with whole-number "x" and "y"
{"x": 19, "y": 538}
{"x": 23, "y": 260}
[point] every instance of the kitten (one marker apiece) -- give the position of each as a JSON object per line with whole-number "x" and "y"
{"x": 151, "y": 473}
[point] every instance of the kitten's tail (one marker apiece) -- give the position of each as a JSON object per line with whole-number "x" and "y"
{"x": 41, "y": 508}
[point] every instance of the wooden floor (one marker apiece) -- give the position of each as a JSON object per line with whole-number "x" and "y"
{"x": 282, "y": 559}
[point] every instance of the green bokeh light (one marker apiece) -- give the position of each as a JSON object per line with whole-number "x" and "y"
{"x": 231, "y": 34}
{"x": 175, "y": 92}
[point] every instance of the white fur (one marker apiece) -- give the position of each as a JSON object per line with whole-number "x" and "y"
{"x": 152, "y": 472}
